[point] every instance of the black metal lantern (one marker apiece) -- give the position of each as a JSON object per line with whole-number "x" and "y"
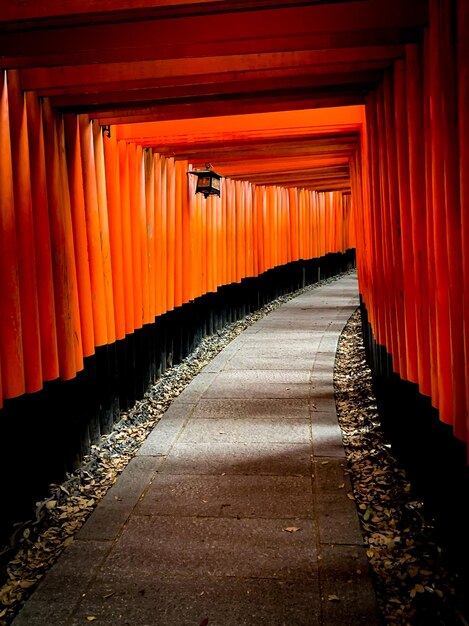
{"x": 208, "y": 181}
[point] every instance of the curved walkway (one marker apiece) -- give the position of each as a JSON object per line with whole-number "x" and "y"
{"x": 237, "y": 508}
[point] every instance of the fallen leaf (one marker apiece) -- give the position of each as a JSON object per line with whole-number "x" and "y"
{"x": 291, "y": 529}
{"x": 350, "y": 496}
{"x": 109, "y": 595}
{"x": 91, "y": 618}
{"x": 333, "y": 598}
{"x": 25, "y": 584}
{"x": 367, "y": 514}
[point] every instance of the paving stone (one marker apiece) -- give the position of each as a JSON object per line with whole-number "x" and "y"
{"x": 107, "y": 520}
{"x": 220, "y": 361}
{"x": 250, "y": 362}
{"x": 322, "y": 374}
{"x": 222, "y": 388}
{"x": 256, "y": 408}
{"x": 235, "y": 378}
{"x": 165, "y": 433}
{"x": 59, "y": 592}
{"x": 55, "y": 612}
{"x": 216, "y": 458}
{"x": 336, "y": 512}
{"x": 344, "y": 573}
{"x": 329, "y": 344}
{"x": 327, "y": 435}
{"x": 246, "y": 430}
{"x": 148, "y": 600}
{"x": 296, "y": 326}
{"x": 228, "y": 496}
{"x": 323, "y": 403}
{"x": 330, "y": 473}
{"x": 253, "y": 548}
{"x": 133, "y": 480}
{"x": 324, "y": 363}
{"x": 286, "y": 350}
{"x": 322, "y": 385}
{"x": 195, "y": 388}
{"x": 337, "y": 519}
{"x": 105, "y": 523}
{"x": 292, "y": 339}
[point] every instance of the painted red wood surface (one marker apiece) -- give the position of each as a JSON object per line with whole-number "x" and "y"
{"x": 119, "y": 237}
{"x": 99, "y": 235}
{"x": 410, "y": 194}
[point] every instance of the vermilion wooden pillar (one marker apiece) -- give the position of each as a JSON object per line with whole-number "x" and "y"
{"x": 446, "y": 25}
{"x": 445, "y": 402}
{"x": 124, "y": 194}
{"x": 100, "y": 173}
{"x": 80, "y": 237}
{"x": 406, "y": 223}
{"x": 42, "y": 235}
{"x": 462, "y": 22}
{"x": 135, "y": 215}
{"x": 149, "y": 190}
{"x": 98, "y": 294}
{"x": 11, "y": 335}
{"x": 27, "y": 276}
{"x": 170, "y": 230}
{"x": 415, "y": 134}
{"x": 111, "y": 161}
{"x": 63, "y": 261}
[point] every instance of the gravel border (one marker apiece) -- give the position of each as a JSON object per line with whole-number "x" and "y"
{"x": 412, "y": 584}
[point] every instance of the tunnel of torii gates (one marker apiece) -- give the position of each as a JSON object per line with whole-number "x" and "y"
{"x": 337, "y": 126}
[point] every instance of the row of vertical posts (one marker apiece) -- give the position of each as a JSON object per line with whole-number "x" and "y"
{"x": 100, "y": 237}
{"x": 411, "y": 190}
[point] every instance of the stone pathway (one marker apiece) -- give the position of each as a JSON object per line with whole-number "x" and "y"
{"x": 237, "y": 508}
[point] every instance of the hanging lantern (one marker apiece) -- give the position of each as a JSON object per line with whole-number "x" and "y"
{"x": 208, "y": 181}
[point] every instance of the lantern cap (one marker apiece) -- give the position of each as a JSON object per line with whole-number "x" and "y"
{"x": 207, "y": 171}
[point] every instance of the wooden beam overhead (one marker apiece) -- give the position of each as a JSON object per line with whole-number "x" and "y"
{"x": 91, "y": 101}
{"x": 318, "y": 61}
{"x": 282, "y": 148}
{"x": 27, "y": 14}
{"x": 215, "y": 108}
{"x": 270, "y": 91}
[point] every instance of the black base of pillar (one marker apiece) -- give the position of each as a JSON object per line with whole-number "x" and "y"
{"x": 434, "y": 460}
